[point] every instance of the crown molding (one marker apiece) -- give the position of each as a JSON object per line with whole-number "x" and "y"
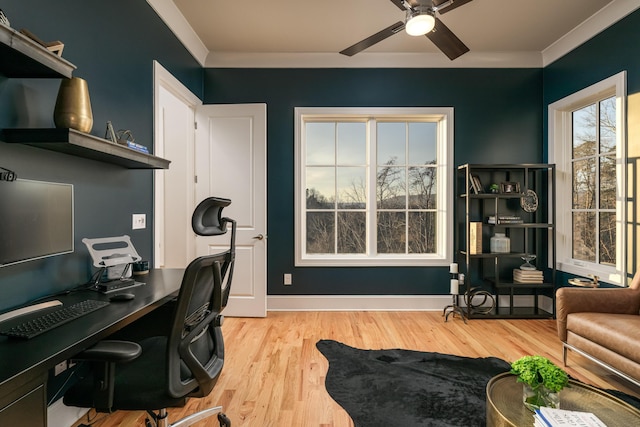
{"x": 173, "y": 18}
{"x": 374, "y": 60}
{"x": 177, "y": 23}
{"x": 606, "y": 17}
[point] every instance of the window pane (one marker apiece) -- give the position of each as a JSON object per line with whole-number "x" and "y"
{"x": 584, "y": 236}
{"x": 352, "y": 233}
{"x": 352, "y": 144}
{"x": 607, "y": 182}
{"x": 320, "y": 143}
{"x": 320, "y": 233}
{"x": 391, "y": 232}
{"x": 584, "y": 132}
{"x": 422, "y": 188}
{"x": 608, "y": 238}
{"x": 422, "y": 232}
{"x": 391, "y": 188}
{"x": 584, "y": 174}
{"x": 392, "y": 142}
{"x": 422, "y": 143}
{"x": 320, "y": 188}
{"x": 352, "y": 188}
{"x": 608, "y": 125}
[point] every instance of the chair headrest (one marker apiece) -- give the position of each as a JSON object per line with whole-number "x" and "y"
{"x": 207, "y": 217}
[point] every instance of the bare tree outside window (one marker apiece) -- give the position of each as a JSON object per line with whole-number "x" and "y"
{"x": 594, "y": 183}
{"x": 337, "y": 202}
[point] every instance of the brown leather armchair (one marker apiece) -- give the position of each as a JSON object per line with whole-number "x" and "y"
{"x": 603, "y": 325}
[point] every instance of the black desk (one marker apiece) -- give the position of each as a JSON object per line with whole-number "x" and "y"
{"x": 24, "y": 365}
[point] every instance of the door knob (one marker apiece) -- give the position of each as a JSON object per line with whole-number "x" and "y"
{"x": 259, "y": 236}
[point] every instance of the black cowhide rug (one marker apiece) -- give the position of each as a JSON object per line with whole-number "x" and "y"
{"x": 405, "y": 388}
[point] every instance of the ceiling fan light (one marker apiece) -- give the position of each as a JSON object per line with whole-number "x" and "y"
{"x": 419, "y": 24}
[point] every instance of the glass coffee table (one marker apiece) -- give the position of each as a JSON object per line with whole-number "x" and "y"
{"x": 505, "y": 407}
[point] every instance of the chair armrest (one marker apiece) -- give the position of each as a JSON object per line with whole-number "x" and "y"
{"x": 104, "y": 356}
{"x": 594, "y": 300}
{"x": 111, "y": 351}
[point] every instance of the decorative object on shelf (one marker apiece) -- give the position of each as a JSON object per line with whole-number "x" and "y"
{"x": 494, "y": 189}
{"x": 542, "y": 381}
{"x": 73, "y": 106}
{"x": 110, "y": 134}
{"x": 3, "y": 19}
{"x": 500, "y": 243}
{"x": 509, "y": 187}
{"x": 479, "y": 301}
{"x": 527, "y": 262}
{"x": 55, "y": 46}
{"x": 124, "y": 137}
{"x": 529, "y": 201}
{"x": 585, "y": 283}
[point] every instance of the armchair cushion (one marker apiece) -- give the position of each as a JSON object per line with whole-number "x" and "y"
{"x": 606, "y": 330}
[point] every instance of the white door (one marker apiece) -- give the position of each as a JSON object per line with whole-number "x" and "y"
{"x": 230, "y": 162}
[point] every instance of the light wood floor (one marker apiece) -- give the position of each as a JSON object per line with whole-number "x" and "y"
{"x": 274, "y": 375}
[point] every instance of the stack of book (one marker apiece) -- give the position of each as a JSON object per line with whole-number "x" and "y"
{"x": 551, "y": 417}
{"x": 527, "y": 276}
{"x": 504, "y": 219}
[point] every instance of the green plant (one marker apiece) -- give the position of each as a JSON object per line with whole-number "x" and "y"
{"x": 537, "y": 370}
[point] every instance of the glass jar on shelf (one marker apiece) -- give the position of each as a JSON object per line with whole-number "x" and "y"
{"x": 500, "y": 243}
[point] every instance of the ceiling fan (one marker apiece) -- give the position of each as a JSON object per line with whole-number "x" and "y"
{"x": 420, "y": 20}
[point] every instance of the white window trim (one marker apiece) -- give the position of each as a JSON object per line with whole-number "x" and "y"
{"x": 560, "y": 125}
{"x": 443, "y": 256}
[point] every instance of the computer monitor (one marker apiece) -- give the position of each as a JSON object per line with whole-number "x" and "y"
{"x": 36, "y": 220}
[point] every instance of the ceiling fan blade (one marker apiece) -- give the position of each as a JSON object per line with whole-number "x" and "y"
{"x": 399, "y": 4}
{"x": 376, "y": 38}
{"x": 453, "y": 4}
{"x": 446, "y": 41}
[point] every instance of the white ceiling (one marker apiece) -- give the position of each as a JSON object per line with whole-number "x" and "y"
{"x": 310, "y": 33}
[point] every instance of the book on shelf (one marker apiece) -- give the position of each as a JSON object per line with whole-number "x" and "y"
{"x": 527, "y": 276}
{"x": 137, "y": 147}
{"x": 504, "y": 219}
{"x": 552, "y": 417}
{"x": 475, "y": 238}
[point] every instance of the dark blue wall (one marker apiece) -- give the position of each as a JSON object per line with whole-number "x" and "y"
{"x": 500, "y": 116}
{"x": 113, "y": 44}
{"x": 498, "y": 119}
{"x": 616, "y": 49}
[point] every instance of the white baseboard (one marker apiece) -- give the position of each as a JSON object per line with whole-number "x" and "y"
{"x": 60, "y": 415}
{"x": 357, "y": 302}
{"x": 382, "y": 302}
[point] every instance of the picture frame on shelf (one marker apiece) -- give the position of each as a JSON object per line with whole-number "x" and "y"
{"x": 510, "y": 187}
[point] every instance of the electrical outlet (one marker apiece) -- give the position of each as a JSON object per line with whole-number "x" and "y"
{"x": 60, "y": 368}
{"x": 287, "y": 279}
{"x": 138, "y": 221}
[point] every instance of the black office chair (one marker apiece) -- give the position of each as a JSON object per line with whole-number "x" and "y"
{"x": 163, "y": 371}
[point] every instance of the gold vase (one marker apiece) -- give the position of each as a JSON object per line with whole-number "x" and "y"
{"x": 73, "y": 106}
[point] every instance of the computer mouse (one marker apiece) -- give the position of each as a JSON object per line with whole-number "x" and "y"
{"x": 121, "y": 297}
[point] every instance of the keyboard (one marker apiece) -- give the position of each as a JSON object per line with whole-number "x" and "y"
{"x": 45, "y": 322}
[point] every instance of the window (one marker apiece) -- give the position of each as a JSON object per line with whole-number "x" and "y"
{"x": 374, "y": 186}
{"x": 587, "y": 143}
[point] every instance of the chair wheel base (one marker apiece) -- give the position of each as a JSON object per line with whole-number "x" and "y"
{"x": 224, "y": 420}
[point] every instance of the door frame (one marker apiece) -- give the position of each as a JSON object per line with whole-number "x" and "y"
{"x": 163, "y": 79}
